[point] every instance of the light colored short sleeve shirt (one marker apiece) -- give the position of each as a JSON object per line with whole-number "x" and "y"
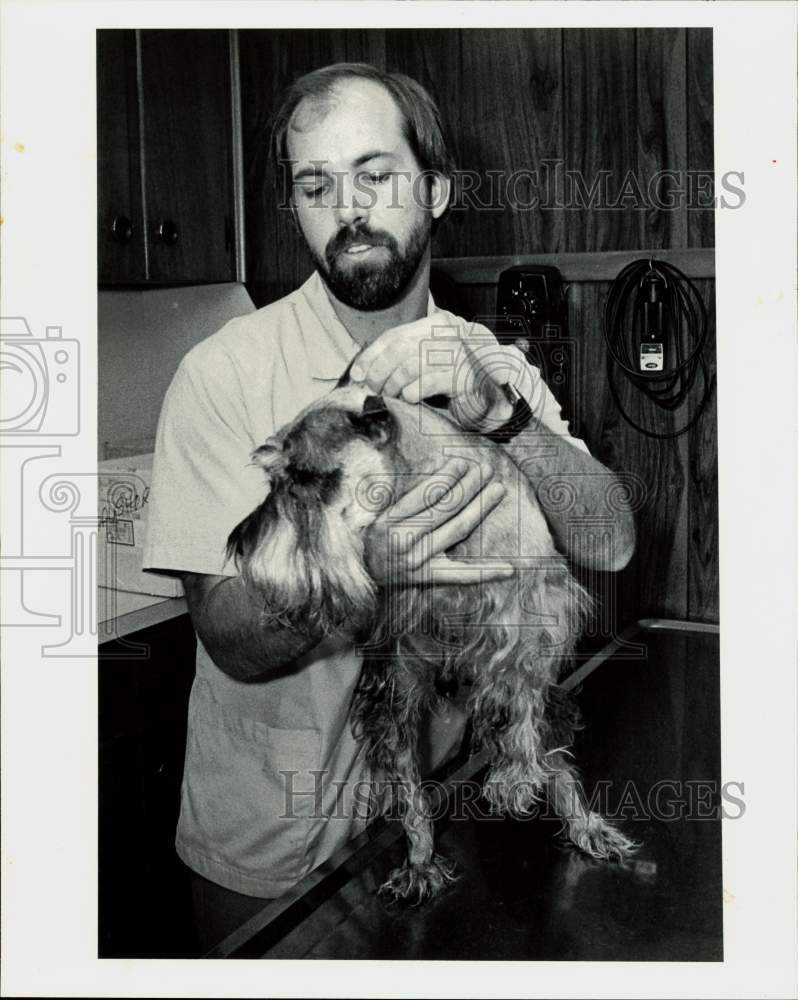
{"x": 272, "y": 773}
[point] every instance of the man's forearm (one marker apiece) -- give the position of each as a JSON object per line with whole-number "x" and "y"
{"x": 240, "y": 640}
{"x": 585, "y": 504}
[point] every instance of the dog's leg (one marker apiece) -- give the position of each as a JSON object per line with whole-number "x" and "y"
{"x": 523, "y": 770}
{"x": 508, "y": 709}
{"x": 525, "y": 633}
{"x": 424, "y": 873}
{"x": 587, "y": 829}
{"x": 515, "y": 720}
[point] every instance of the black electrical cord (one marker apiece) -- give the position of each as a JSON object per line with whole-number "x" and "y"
{"x": 652, "y": 300}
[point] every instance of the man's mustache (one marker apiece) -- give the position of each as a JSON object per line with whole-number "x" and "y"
{"x": 346, "y": 238}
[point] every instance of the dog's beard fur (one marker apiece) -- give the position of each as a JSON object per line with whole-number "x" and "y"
{"x": 331, "y": 473}
{"x": 284, "y": 538}
{"x": 302, "y": 551}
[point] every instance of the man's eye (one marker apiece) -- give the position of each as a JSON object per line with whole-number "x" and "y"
{"x": 311, "y": 193}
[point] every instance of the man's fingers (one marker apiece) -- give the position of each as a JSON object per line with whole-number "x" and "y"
{"x": 429, "y": 383}
{"x": 401, "y": 376}
{"x": 379, "y": 360}
{"x": 367, "y": 358}
{"x": 441, "y": 496}
{"x": 443, "y": 570}
{"x": 397, "y": 357}
{"x": 435, "y": 487}
{"x": 460, "y": 526}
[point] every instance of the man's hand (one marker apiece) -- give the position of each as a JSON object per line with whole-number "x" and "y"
{"x": 407, "y": 543}
{"x": 439, "y": 355}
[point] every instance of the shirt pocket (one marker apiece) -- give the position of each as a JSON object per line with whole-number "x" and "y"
{"x": 251, "y": 791}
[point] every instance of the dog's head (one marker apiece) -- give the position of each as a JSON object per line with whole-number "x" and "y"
{"x": 302, "y": 549}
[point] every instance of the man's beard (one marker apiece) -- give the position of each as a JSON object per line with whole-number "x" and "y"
{"x": 370, "y": 285}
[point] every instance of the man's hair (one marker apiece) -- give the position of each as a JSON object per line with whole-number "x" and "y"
{"x": 421, "y": 119}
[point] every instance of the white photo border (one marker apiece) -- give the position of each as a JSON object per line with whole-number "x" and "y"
{"x": 49, "y": 707}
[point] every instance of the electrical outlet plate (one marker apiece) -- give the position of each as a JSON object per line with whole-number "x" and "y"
{"x": 652, "y": 357}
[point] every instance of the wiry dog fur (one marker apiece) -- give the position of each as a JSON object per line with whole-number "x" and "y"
{"x": 332, "y": 471}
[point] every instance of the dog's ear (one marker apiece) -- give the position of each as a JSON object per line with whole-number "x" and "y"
{"x": 374, "y": 421}
{"x": 272, "y": 456}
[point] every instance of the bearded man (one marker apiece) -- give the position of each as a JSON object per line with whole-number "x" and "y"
{"x": 272, "y": 771}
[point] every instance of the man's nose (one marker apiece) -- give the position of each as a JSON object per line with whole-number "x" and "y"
{"x": 351, "y": 205}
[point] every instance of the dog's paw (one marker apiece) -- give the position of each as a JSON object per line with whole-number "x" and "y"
{"x": 600, "y": 839}
{"x": 413, "y": 884}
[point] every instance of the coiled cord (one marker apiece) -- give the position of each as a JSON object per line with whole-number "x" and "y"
{"x": 646, "y": 291}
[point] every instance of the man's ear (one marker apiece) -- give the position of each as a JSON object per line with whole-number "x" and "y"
{"x": 440, "y": 192}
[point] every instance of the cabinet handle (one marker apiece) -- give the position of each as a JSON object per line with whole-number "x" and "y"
{"x": 122, "y": 229}
{"x": 167, "y": 232}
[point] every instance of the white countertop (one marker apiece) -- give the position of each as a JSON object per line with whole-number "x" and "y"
{"x": 121, "y": 612}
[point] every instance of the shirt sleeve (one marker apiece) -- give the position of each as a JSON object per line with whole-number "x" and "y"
{"x": 203, "y": 482}
{"x": 545, "y": 407}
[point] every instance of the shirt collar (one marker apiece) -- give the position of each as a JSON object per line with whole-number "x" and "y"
{"x": 331, "y": 352}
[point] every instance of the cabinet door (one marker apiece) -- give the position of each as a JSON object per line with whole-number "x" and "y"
{"x": 144, "y": 891}
{"x": 187, "y": 150}
{"x": 120, "y": 241}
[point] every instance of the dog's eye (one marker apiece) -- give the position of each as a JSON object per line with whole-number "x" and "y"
{"x": 312, "y": 482}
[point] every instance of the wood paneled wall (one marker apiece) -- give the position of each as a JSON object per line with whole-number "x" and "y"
{"x": 624, "y": 101}
{"x": 674, "y": 572}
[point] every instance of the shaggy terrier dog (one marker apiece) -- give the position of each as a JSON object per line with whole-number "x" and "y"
{"x": 332, "y": 472}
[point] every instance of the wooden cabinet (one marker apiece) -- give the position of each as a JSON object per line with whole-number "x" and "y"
{"x": 144, "y": 889}
{"x": 120, "y": 245}
{"x": 168, "y": 191}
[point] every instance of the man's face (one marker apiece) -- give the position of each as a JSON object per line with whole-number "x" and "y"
{"x": 361, "y": 200}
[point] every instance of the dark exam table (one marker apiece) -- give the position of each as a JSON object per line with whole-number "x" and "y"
{"x": 651, "y": 704}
